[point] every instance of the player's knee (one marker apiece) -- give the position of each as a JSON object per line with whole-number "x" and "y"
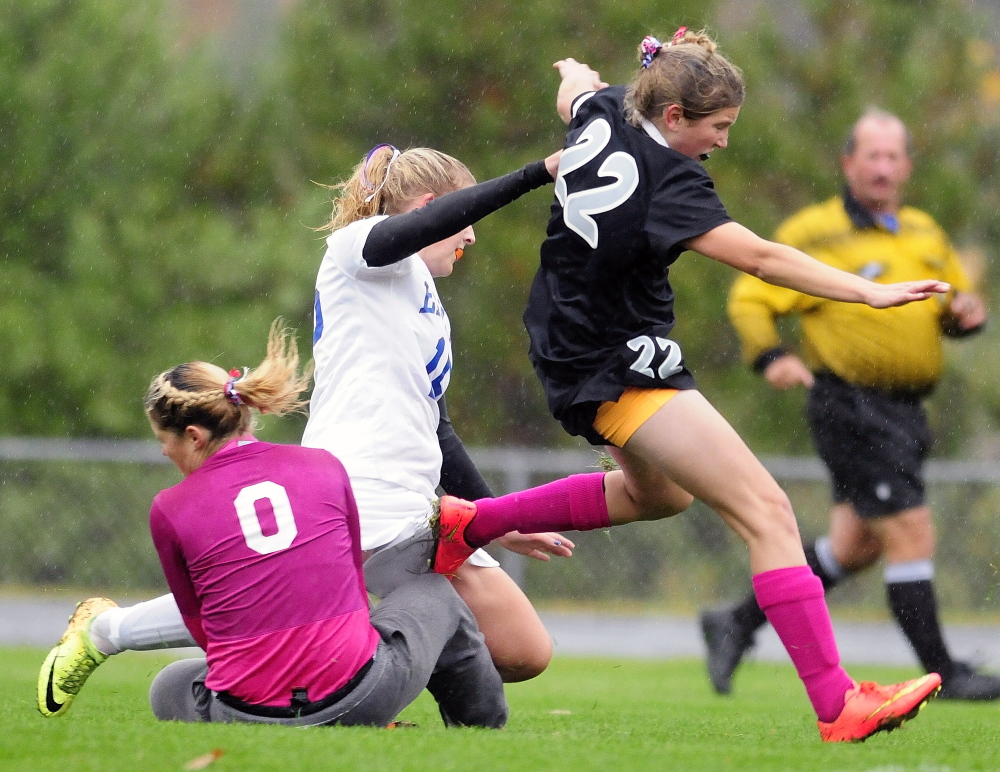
{"x": 524, "y": 670}
{"x": 773, "y": 518}
{"x": 170, "y": 695}
{"x": 662, "y": 503}
{"x": 493, "y": 713}
{"x": 524, "y": 664}
{"x": 487, "y": 709}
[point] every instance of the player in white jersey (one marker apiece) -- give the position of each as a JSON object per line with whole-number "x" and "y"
{"x": 382, "y": 345}
{"x": 381, "y": 336}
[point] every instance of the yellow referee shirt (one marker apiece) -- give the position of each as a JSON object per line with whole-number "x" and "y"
{"x": 894, "y": 348}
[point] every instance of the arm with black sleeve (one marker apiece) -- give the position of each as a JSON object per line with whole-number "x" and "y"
{"x": 459, "y": 475}
{"x": 399, "y": 236}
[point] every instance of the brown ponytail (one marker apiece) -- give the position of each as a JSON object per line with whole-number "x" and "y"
{"x": 690, "y": 72}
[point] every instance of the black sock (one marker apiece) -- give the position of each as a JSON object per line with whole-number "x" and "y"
{"x": 915, "y": 608}
{"x": 748, "y": 614}
{"x": 812, "y": 559}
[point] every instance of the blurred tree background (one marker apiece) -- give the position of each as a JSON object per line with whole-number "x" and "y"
{"x": 158, "y": 167}
{"x": 158, "y": 163}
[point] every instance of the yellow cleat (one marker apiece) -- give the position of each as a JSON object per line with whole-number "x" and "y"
{"x": 72, "y": 660}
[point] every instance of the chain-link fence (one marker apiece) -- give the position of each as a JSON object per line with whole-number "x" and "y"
{"x": 694, "y": 559}
{"x": 75, "y": 513}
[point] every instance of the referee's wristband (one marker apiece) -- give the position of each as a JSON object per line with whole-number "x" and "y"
{"x": 762, "y": 362}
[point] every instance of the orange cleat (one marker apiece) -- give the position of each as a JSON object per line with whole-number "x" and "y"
{"x": 870, "y": 708}
{"x": 450, "y": 521}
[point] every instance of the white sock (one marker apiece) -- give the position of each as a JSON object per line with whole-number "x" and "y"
{"x": 911, "y": 571}
{"x": 824, "y": 553}
{"x": 153, "y": 624}
{"x": 100, "y": 631}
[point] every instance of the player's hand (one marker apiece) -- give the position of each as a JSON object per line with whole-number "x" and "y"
{"x": 582, "y": 73}
{"x": 577, "y": 79}
{"x": 787, "y": 372}
{"x": 890, "y": 295}
{"x": 552, "y": 163}
{"x": 538, "y": 545}
{"x": 967, "y": 311}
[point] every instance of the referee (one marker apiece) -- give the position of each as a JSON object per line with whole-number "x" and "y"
{"x": 867, "y": 372}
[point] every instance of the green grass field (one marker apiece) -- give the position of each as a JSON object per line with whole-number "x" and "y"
{"x": 582, "y": 714}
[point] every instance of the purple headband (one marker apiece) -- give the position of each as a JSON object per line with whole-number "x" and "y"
{"x": 230, "y": 388}
{"x": 364, "y": 169}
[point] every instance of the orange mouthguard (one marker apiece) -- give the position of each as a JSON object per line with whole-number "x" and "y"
{"x": 458, "y": 253}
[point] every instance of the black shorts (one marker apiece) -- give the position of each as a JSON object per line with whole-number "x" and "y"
{"x": 873, "y": 443}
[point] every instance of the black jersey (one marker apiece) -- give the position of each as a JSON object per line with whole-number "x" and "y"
{"x": 600, "y": 310}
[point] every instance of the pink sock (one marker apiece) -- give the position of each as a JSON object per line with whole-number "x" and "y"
{"x": 792, "y": 599}
{"x": 573, "y": 503}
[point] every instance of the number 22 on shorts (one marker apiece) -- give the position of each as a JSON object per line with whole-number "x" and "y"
{"x": 647, "y": 348}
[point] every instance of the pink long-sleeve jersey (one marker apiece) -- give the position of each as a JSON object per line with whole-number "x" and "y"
{"x": 261, "y": 549}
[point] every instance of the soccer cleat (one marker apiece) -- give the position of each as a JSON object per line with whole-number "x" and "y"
{"x": 964, "y": 683}
{"x": 452, "y": 517}
{"x": 870, "y": 708}
{"x": 72, "y": 660}
{"x": 726, "y": 643}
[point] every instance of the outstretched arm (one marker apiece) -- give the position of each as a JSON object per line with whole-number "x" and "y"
{"x": 786, "y": 266}
{"x": 401, "y": 235}
{"x": 577, "y": 78}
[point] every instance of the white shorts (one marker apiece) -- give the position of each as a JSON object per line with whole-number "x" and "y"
{"x": 480, "y": 557}
{"x": 390, "y": 514}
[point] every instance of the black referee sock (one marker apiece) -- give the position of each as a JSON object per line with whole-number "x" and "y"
{"x": 813, "y": 560}
{"x": 915, "y": 608}
{"x": 748, "y": 614}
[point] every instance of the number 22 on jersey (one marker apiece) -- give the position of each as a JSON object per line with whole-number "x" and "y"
{"x": 579, "y": 205}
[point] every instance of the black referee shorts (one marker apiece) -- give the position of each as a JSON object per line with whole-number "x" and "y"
{"x": 873, "y": 443}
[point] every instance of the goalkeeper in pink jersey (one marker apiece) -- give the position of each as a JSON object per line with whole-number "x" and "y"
{"x": 260, "y": 546}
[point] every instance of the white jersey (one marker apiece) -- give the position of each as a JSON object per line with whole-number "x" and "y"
{"x": 380, "y": 336}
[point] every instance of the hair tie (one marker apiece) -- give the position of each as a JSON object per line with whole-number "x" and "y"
{"x": 650, "y": 47}
{"x": 230, "y": 388}
{"x": 364, "y": 170}
{"x": 678, "y": 36}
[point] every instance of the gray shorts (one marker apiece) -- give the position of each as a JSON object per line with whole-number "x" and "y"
{"x": 388, "y": 568}
{"x": 429, "y": 640}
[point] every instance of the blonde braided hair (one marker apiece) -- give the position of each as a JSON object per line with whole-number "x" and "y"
{"x": 203, "y": 394}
